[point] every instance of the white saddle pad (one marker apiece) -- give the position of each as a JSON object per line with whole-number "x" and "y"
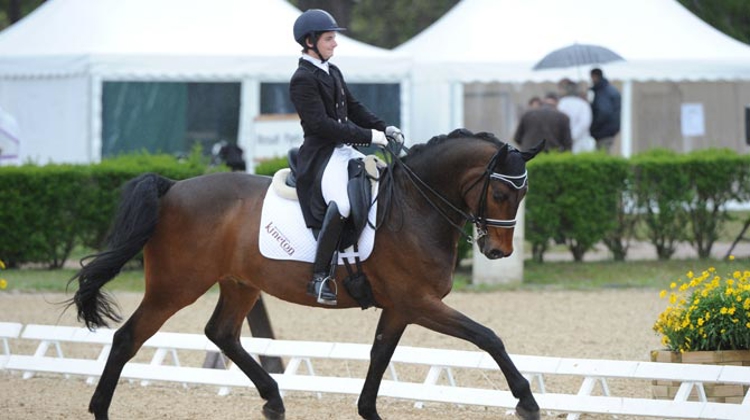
{"x": 283, "y": 234}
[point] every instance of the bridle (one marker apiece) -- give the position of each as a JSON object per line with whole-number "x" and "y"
{"x": 480, "y": 221}
{"x": 516, "y": 182}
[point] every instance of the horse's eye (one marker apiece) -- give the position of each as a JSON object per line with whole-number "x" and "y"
{"x": 499, "y": 196}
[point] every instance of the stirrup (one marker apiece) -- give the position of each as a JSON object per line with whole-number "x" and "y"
{"x": 318, "y": 287}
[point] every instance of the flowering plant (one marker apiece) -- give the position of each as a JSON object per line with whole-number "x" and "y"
{"x": 707, "y": 312}
{"x": 3, "y": 282}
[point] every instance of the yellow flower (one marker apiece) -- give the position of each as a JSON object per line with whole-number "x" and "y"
{"x": 731, "y": 258}
{"x": 2, "y": 265}
{"x": 701, "y": 306}
{"x": 3, "y": 284}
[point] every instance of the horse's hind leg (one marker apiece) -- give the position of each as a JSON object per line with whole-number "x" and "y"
{"x": 145, "y": 321}
{"x": 224, "y": 330}
{"x": 387, "y": 336}
{"x": 441, "y": 318}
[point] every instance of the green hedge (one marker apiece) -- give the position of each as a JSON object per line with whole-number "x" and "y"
{"x": 576, "y": 200}
{"x": 582, "y": 199}
{"x": 48, "y": 210}
{"x": 573, "y": 199}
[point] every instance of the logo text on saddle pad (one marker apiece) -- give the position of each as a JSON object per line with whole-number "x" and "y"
{"x": 282, "y": 240}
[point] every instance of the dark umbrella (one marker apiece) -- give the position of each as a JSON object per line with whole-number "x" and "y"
{"x": 577, "y": 55}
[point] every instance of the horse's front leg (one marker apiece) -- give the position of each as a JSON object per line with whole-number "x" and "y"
{"x": 441, "y": 318}
{"x": 387, "y": 336}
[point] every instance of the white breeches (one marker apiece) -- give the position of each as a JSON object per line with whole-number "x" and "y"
{"x": 336, "y": 177}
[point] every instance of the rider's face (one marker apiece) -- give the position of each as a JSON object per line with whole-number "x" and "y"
{"x": 326, "y": 45}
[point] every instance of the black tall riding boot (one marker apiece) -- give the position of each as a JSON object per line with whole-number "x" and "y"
{"x": 328, "y": 240}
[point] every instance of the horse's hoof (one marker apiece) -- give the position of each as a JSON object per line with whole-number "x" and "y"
{"x": 369, "y": 415}
{"x": 271, "y": 414}
{"x": 526, "y": 414}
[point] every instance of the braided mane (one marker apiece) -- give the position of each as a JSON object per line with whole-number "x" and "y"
{"x": 459, "y": 133}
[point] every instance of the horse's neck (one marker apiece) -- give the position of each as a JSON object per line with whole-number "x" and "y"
{"x": 447, "y": 171}
{"x": 437, "y": 197}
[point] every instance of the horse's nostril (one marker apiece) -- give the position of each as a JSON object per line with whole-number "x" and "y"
{"x": 495, "y": 254}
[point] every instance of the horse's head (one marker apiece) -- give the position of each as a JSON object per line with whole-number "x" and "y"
{"x": 472, "y": 177}
{"x": 503, "y": 186}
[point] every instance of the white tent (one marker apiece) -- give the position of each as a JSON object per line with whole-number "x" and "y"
{"x": 53, "y": 63}
{"x": 501, "y": 40}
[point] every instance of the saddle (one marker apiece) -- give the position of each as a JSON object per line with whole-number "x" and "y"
{"x": 363, "y": 175}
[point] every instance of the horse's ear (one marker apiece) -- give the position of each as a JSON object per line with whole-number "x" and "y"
{"x": 529, "y": 154}
{"x": 503, "y": 152}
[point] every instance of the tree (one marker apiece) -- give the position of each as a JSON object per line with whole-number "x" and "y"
{"x": 389, "y": 23}
{"x": 385, "y": 23}
{"x": 11, "y": 11}
{"x": 729, "y": 16}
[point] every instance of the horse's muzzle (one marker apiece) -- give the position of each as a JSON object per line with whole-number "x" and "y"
{"x": 491, "y": 251}
{"x": 495, "y": 254}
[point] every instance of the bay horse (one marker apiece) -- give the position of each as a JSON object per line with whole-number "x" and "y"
{"x": 200, "y": 231}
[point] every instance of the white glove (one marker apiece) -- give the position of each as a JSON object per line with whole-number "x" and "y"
{"x": 393, "y": 133}
{"x": 378, "y": 137}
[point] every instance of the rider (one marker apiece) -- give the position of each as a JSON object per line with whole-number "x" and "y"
{"x": 333, "y": 122}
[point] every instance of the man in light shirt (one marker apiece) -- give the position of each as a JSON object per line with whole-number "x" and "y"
{"x": 579, "y": 112}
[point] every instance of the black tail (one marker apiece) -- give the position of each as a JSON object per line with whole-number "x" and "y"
{"x": 133, "y": 226}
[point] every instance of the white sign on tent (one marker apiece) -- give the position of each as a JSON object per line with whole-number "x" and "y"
{"x": 692, "y": 121}
{"x": 275, "y": 135}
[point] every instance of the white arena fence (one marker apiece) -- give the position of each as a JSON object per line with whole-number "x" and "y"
{"x": 689, "y": 403}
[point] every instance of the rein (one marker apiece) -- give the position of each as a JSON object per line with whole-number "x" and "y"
{"x": 480, "y": 221}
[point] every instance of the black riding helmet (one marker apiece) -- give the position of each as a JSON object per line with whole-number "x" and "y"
{"x": 311, "y": 23}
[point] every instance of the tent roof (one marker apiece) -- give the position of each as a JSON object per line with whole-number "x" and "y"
{"x": 486, "y": 40}
{"x": 173, "y": 38}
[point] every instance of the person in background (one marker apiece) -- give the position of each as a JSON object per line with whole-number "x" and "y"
{"x": 605, "y": 109}
{"x": 333, "y": 122}
{"x": 10, "y": 139}
{"x": 535, "y": 102}
{"x": 544, "y": 123}
{"x": 579, "y": 111}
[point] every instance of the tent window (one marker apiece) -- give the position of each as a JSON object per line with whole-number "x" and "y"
{"x": 168, "y": 117}
{"x": 384, "y": 99}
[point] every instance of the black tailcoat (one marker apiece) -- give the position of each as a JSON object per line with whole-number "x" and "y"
{"x": 329, "y": 115}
